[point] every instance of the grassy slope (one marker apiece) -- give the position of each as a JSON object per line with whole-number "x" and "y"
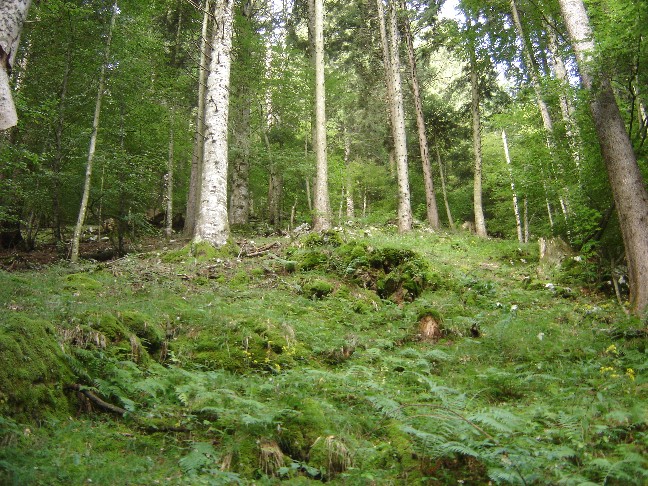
{"x": 303, "y": 375}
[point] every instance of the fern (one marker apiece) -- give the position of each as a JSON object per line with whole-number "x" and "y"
{"x": 202, "y": 455}
{"x": 388, "y": 407}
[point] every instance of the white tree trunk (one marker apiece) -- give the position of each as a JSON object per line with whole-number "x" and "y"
{"x": 12, "y": 16}
{"x": 626, "y": 181}
{"x": 350, "y": 208}
{"x": 76, "y": 238}
{"x": 195, "y": 179}
{"x": 212, "y": 225}
{"x": 516, "y": 209}
{"x": 391, "y": 44}
{"x": 430, "y": 195}
{"x": 480, "y": 221}
{"x": 322, "y": 212}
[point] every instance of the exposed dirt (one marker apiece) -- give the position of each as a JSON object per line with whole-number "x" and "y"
{"x": 14, "y": 259}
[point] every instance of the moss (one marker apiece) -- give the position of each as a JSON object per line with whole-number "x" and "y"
{"x": 300, "y": 430}
{"x": 325, "y": 238}
{"x": 79, "y": 282}
{"x": 202, "y": 252}
{"x": 33, "y": 370}
{"x": 145, "y": 328}
{"x": 317, "y": 289}
{"x": 108, "y": 325}
{"x": 313, "y": 259}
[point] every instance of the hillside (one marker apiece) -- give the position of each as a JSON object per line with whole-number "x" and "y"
{"x": 354, "y": 357}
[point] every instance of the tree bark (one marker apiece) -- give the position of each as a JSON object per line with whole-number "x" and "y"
{"x": 391, "y": 44}
{"x": 12, "y": 16}
{"x": 516, "y": 208}
{"x": 480, "y": 222}
{"x": 322, "y": 212}
{"x": 430, "y": 195}
{"x": 212, "y": 225}
{"x": 628, "y": 188}
{"x": 443, "y": 188}
{"x": 350, "y": 207}
{"x": 76, "y": 238}
{"x": 195, "y": 179}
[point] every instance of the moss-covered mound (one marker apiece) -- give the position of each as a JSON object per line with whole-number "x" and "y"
{"x": 33, "y": 369}
{"x": 393, "y": 273}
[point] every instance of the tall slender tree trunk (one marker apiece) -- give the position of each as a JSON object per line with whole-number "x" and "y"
{"x": 443, "y": 187}
{"x": 76, "y": 238}
{"x": 168, "y": 230}
{"x": 213, "y": 225}
{"x": 195, "y": 178}
{"x": 322, "y": 212}
{"x": 478, "y": 207}
{"x": 350, "y": 207}
{"x": 391, "y": 44}
{"x": 516, "y": 208}
{"x": 430, "y": 195}
{"x": 12, "y": 16}
{"x": 626, "y": 181}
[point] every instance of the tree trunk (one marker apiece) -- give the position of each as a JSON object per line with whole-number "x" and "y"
{"x": 430, "y": 195}
{"x": 516, "y": 209}
{"x": 628, "y": 189}
{"x": 350, "y": 208}
{"x": 443, "y": 188}
{"x": 480, "y": 222}
{"x": 212, "y": 225}
{"x": 526, "y": 220}
{"x": 12, "y": 16}
{"x": 322, "y": 212}
{"x": 195, "y": 179}
{"x": 74, "y": 254}
{"x": 390, "y": 38}
{"x": 168, "y": 230}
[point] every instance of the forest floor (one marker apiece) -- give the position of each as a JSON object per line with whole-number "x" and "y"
{"x": 351, "y": 357}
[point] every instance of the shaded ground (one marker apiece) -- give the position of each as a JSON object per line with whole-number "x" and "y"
{"x": 15, "y": 259}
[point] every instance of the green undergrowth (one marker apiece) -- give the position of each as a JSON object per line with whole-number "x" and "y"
{"x": 364, "y": 358}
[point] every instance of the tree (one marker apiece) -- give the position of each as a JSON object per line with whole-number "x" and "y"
{"x": 480, "y": 221}
{"x": 322, "y": 209}
{"x": 76, "y": 238}
{"x": 212, "y": 225}
{"x": 626, "y": 181}
{"x": 430, "y": 195}
{"x": 12, "y": 16}
{"x": 391, "y": 44}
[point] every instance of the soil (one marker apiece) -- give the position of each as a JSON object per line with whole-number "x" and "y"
{"x": 14, "y": 260}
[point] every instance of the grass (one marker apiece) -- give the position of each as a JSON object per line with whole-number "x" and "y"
{"x": 289, "y": 367}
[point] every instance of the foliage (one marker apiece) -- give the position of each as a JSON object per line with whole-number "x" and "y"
{"x": 258, "y": 381}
